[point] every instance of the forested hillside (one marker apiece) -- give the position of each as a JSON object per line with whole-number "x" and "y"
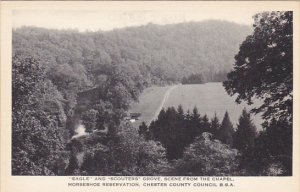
{"x": 160, "y": 54}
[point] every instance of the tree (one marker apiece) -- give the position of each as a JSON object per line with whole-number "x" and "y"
{"x": 175, "y": 130}
{"x": 264, "y": 66}
{"x": 272, "y": 154}
{"x": 193, "y": 79}
{"x": 128, "y": 154}
{"x": 195, "y": 115}
{"x": 143, "y": 130}
{"x": 214, "y": 125}
{"x": 171, "y": 136}
{"x": 245, "y": 133}
{"x": 195, "y": 122}
{"x": 244, "y": 140}
{"x": 205, "y": 157}
{"x": 180, "y": 111}
{"x": 151, "y": 159}
{"x": 205, "y": 124}
{"x": 89, "y": 119}
{"x": 36, "y": 137}
{"x": 26, "y": 75}
{"x": 226, "y": 131}
{"x": 264, "y": 69}
{"x": 276, "y": 148}
{"x": 73, "y": 166}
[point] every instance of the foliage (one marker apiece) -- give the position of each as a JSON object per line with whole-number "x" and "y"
{"x": 167, "y": 131}
{"x": 272, "y": 154}
{"x": 226, "y": 131}
{"x": 215, "y": 125}
{"x": 73, "y": 166}
{"x": 150, "y": 54}
{"x": 143, "y": 129}
{"x": 206, "y": 157}
{"x": 264, "y": 66}
{"x": 177, "y": 130}
{"x": 89, "y": 119}
{"x": 245, "y": 133}
{"x": 37, "y": 139}
{"x": 127, "y": 154}
{"x": 193, "y": 79}
{"x": 264, "y": 69}
{"x": 244, "y": 141}
{"x": 200, "y": 78}
{"x": 205, "y": 124}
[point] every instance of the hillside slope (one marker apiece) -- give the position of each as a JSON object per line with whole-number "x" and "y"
{"x": 153, "y": 53}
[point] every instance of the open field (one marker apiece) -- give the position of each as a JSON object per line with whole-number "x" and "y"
{"x": 150, "y": 103}
{"x": 209, "y": 98}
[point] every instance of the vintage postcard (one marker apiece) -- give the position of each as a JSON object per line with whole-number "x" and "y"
{"x": 150, "y": 96}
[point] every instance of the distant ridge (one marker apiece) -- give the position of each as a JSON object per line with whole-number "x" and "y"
{"x": 161, "y": 54}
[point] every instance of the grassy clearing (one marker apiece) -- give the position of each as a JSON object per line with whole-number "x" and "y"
{"x": 209, "y": 98}
{"x": 149, "y": 102}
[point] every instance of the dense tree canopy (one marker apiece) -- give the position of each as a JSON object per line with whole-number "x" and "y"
{"x": 177, "y": 130}
{"x": 150, "y": 54}
{"x": 264, "y": 66}
{"x": 264, "y": 69}
{"x": 273, "y": 151}
{"x": 38, "y": 139}
{"x": 207, "y": 157}
{"x": 128, "y": 154}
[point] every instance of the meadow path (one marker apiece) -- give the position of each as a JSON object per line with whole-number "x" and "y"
{"x": 162, "y": 102}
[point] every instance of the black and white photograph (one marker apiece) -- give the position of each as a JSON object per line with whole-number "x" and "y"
{"x": 152, "y": 93}
{"x": 157, "y": 92}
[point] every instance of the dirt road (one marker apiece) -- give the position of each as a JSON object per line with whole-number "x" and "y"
{"x": 162, "y": 103}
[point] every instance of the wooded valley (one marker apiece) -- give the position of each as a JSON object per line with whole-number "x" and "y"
{"x": 64, "y": 78}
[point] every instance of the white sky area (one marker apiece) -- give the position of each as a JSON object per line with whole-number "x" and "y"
{"x": 109, "y": 20}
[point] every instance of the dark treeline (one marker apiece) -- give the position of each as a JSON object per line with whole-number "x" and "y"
{"x": 193, "y": 79}
{"x": 245, "y": 151}
{"x": 176, "y": 130}
{"x": 199, "y": 78}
